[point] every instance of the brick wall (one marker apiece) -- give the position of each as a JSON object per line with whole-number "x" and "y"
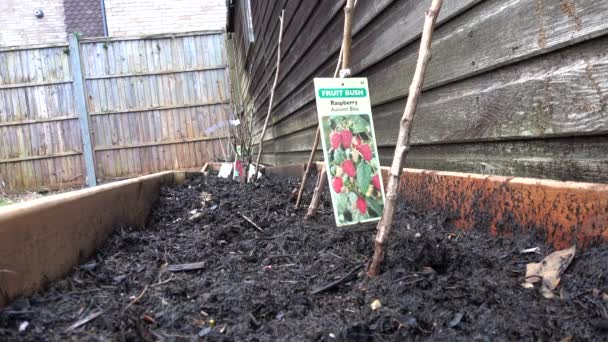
{"x": 137, "y": 17}
{"x": 19, "y": 25}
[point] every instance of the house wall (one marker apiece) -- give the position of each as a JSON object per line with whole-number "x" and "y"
{"x": 137, "y": 17}
{"x": 21, "y": 27}
{"x": 514, "y": 88}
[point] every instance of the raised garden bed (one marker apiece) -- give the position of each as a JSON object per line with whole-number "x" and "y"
{"x": 438, "y": 283}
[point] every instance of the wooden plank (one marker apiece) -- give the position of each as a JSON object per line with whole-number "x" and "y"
{"x": 561, "y": 94}
{"x": 48, "y": 156}
{"x": 491, "y": 35}
{"x": 155, "y": 73}
{"x": 576, "y": 158}
{"x": 34, "y": 84}
{"x": 37, "y": 102}
{"x": 160, "y": 143}
{"x": 32, "y": 47}
{"x": 171, "y": 87}
{"x": 159, "y": 36}
{"x": 554, "y": 95}
{"x": 146, "y": 109}
{"x": 35, "y": 121}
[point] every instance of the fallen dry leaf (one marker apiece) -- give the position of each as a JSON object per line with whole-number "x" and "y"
{"x": 549, "y": 270}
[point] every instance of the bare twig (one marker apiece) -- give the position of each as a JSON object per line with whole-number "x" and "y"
{"x": 403, "y": 140}
{"x": 316, "y": 197}
{"x": 253, "y": 223}
{"x": 270, "y": 103}
{"x": 228, "y": 117}
{"x": 163, "y": 282}
{"x": 84, "y": 320}
{"x": 343, "y": 280}
{"x": 345, "y": 56}
{"x": 349, "y": 8}
{"x": 311, "y": 158}
{"x": 315, "y": 144}
{"x": 138, "y": 297}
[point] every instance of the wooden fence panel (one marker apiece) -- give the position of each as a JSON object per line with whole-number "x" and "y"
{"x": 153, "y": 102}
{"x": 40, "y": 142}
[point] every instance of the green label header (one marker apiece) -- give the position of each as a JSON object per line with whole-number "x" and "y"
{"x": 325, "y": 93}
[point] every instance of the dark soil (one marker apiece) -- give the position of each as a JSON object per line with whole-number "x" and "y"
{"x": 437, "y": 283}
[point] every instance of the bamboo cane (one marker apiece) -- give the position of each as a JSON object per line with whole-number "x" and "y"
{"x": 403, "y": 140}
{"x": 274, "y": 85}
{"x": 345, "y": 50}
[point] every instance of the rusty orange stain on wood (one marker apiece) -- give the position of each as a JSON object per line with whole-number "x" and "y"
{"x": 565, "y": 213}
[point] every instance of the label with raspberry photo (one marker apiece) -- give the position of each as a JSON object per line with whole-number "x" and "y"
{"x": 350, "y": 150}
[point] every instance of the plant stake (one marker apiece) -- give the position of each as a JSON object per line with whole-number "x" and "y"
{"x": 403, "y": 140}
{"x": 345, "y": 51}
{"x": 274, "y": 85}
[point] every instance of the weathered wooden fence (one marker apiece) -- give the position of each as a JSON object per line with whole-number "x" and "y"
{"x": 514, "y": 88}
{"x": 151, "y": 104}
{"x": 40, "y": 137}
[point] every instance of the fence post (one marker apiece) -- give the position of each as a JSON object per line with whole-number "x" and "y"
{"x": 81, "y": 107}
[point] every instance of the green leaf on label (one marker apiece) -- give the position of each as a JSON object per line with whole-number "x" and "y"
{"x": 339, "y": 156}
{"x": 341, "y": 202}
{"x": 364, "y": 177}
{"x": 360, "y": 125}
{"x": 352, "y": 197}
{"x": 376, "y": 205}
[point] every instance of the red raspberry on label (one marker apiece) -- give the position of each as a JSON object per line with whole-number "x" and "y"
{"x": 376, "y": 182}
{"x": 335, "y": 139}
{"x": 347, "y": 138}
{"x": 366, "y": 151}
{"x": 362, "y": 205}
{"x": 337, "y": 184}
{"x": 349, "y": 168}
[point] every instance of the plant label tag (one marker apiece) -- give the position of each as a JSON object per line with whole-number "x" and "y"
{"x": 225, "y": 170}
{"x": 349, "y": 148}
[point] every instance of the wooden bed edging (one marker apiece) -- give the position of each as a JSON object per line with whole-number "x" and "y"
{"x": 41, "y": 240}
{"x": 565, "y": 213}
